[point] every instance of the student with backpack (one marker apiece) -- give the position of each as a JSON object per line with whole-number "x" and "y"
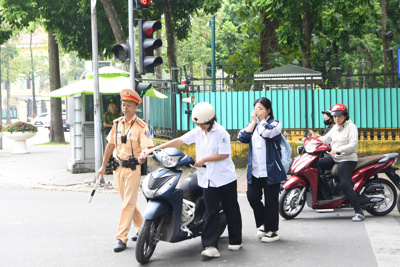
{"x": 265, "y": 170}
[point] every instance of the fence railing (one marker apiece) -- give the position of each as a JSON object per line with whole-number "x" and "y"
{"x": 298, "y": 106}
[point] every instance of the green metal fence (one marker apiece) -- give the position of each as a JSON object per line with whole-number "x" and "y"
{"x": 296, "y": 109}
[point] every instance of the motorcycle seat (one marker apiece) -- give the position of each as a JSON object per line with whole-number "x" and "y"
{"x": 361, "y": 163}
{"x": 190, "y": 188}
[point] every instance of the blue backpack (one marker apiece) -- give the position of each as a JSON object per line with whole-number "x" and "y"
{"x": 286, "y": 153}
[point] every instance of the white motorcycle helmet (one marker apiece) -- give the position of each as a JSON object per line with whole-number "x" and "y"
{"x": 203, "y": 112}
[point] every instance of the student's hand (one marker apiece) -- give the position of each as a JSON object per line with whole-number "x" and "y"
{"x": 261, "y": 114}
{"x": 199, "y": 163}
{"x": 254, "y": 115}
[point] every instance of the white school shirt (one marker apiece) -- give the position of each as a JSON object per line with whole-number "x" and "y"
{"x": 217, "y": 141}
{"x": 259, "y": 147}
{"x": 259, "y": 154}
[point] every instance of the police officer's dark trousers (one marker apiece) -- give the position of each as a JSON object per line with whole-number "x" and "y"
{"x": 266, "y": 214}
{"x": 227, "y": 194}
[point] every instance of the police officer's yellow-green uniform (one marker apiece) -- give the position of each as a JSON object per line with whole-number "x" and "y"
{"x": 126, "y": 180}
{"x": 109, "y": 117}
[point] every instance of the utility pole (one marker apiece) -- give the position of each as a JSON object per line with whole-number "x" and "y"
{"x": 131, "y": 45}
{"x": 98, "y": 147}
{"x": 213, "y": 51}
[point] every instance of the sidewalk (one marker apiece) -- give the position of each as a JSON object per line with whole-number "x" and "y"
{"x": 45, "y": 167}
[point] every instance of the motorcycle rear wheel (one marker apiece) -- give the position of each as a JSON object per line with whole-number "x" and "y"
{"x": 398, "y": 203}
{"x": 147, "y": 240}
{"x": 288, "y": 208}
{"x": 390, "y": 193}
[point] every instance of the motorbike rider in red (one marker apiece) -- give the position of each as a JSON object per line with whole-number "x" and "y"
{"x": 343, "y": 138}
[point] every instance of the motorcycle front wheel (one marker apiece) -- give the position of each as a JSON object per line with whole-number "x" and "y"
{"x": 385, "y": 207}
{"x": 288, "y": 206}
{"x": 147, "y": 240}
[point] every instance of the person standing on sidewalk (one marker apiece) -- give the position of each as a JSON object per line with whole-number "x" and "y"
{"x": 110, "y": 116}
{"x": 128, "y": 137}
{"x": 265, "y": 171}
{"x": 218, "y": 179}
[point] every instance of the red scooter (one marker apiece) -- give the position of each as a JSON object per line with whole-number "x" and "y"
{"x": 376, "y": 195}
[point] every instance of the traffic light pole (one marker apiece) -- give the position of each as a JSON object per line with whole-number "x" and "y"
{"x": 98, "y": 146}
{"x": 132, "y": 45}
{"x": 213, "y": 52}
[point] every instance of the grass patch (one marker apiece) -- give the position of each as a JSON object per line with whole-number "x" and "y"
{"x": 52, "y": 143}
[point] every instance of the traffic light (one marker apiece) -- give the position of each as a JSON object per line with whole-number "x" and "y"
{"x": 183, "y": 87}
{"x": 142, "y": 3}
{"x": 142, "y": 88}
{"x": 147, "y": 45}
{"x": 121, "y": 52}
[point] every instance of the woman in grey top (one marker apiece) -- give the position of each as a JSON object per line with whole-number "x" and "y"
{"x": 343, "y": 138}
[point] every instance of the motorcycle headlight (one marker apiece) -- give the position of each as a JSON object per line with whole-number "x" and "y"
{"x": 164, "y": 187}
{"x": 169, "y": 161}
{"x": 310, "y": 147}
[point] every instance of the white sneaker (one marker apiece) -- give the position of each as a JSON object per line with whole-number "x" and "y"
{"x": 358, "y": 218}
{"x": 260, "y": 232}
{"x": 234, "y": 247}
{"x": 210, "y": 252}
{"x": 270, "y": 237}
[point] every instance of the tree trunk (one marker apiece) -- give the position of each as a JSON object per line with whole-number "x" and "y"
{"x": 171, "y": 51}
{"x": 370, "y": 63}
{"x": 115, "y": 25}
{"x": 203, "y": 75}
{"x": 384, "y": 41}
{"x": 307, "y": 31}
{"x": 269, "y": 42}
{"x": 56, "y": 125}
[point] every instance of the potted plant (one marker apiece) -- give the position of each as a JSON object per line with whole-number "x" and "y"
{"x": 19, "y": 132}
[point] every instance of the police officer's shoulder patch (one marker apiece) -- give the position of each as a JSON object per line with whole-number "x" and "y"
{"x": 141, "y": 123}
{"x": 147, "y": 133}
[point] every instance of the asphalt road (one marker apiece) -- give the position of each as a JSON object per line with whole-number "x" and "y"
{"x": 55, "y": 228}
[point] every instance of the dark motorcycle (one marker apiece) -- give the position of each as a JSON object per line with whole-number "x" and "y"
{"x": 376, "y": 195}
{"x": 172, "y": 214}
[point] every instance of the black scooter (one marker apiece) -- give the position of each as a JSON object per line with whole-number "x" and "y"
{"x": 172, "y": 214}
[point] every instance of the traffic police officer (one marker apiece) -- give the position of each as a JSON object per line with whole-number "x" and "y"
{"x": 128, "y": 137}
{"x": 110, "y": 116}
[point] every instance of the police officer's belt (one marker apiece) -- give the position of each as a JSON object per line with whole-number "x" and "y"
{"x": 124, "y": 163}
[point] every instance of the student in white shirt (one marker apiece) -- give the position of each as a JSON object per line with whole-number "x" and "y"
{"x": 265, "y": 171}
{"x": 218, "y": 179}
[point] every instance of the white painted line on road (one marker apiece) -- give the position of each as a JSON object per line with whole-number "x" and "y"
{"x": 384, "y": 234}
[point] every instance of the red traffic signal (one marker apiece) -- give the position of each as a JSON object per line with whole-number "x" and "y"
{"x": 143, "y": 3}
{"x": 147, "y": 45}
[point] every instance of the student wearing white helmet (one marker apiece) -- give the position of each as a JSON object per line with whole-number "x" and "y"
{"x": 218, "y": 179}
